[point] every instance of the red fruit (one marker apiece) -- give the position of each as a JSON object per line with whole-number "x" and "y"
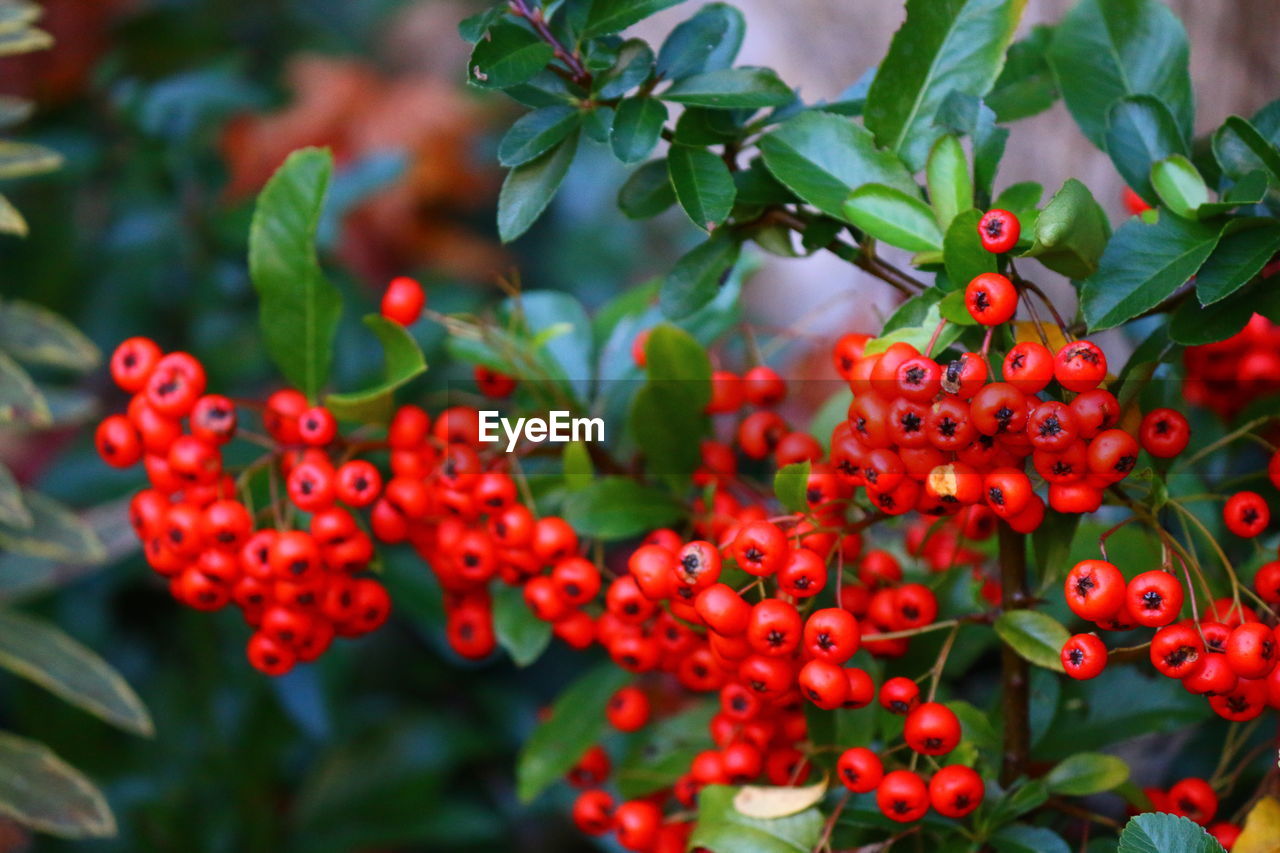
{"x": 1246, "y": 701}
{"x": 1193, "y": 798}
{"x": 1084, "y": 656}
{"x": 1080, "y": 366}
{"x": 1112, "y": 454}
{"x": 899, "y": 695}
{"x": 760, "y": 548}
{"x": 357, "y": 483}
{"x": 1267, "y": 582}
{"x": 998, "y": 230}
{"x": 270, "y": 656}
{"x": 763, "y": 387}
{"x": 1095, "y": 590}
{"x": 132, "y": 363}
{"x": 824, "y": 684}
{"x": 919, "y": 379}
{"x": 991, "y": 299}
{"x": 1226, "y": 833}
{"x": 628, "y": 709}
{"x": 775, "y": 628}
{"x": 1164, "y": 433}
{"x": 118, "y": 442}
{"x": 491, "y": 383}
{"x": 1214, "y": 676}
{"x": 1052, "y": 426}
{"x": 593, "y": 812}
{"x": 1028, "y": 367}
{"x": 831, "y": 634}
{"x": 1095, "y": 410}
{"x": 956, "y": 790}
{"x": 636, "y": 823}
{"x": 698, "y": 565}
{"x": 1177, "y": 651}
{"x": 1246, "y": 514}
{"x": 803, "y": 575}
{"x": 639, "y": 346}
{"x": 403, "y": 301}
{"x": 860, "y": 770}
{"x": 902, "y": 796}
{"x": 175, "y": 384}
{"x": 1252, "y": 650}
{"x": 932, "y": 729}
{"x": 727, "y": 393}
{"x": 999, "y": 409}
{"x": 965, "y": 376}
{"x": 1154, "y": 598}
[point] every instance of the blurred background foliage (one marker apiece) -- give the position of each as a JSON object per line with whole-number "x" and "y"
{"x": 170, "y": 115}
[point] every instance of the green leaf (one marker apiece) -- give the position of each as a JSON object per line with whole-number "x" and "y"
{"x": 916, "y": 328}
{"x": 40, "y": 790}
{"x": 721, "y": 827}
{"x": 668, "y": 414}
{"x": 1037, "y": 637}
{"x": 633, "y": 66}
{"x": 1026, "y": 86}
{"x": 528, "y": 189}
{"x": 1240, "y": 149}
{"x": 506, "y": 56}
{"x": 298, "y": 307}
{"x": 36, "y": 335}
{"x": 1245, "y": 248}
{"x": 947, "y": 176}
{"x": 13, "y": 511}
{"x": 20, "y": 399}
{"x": 1051, "y": 542}
{"x": 42, "y": 653}
{"x": 1193, "y": 324}
{"x": 791, "y": 484}
{"x": 698, "y": 276}
{"x": 1021, "y": 198}
{"x": 708, "y": 41}
{"x": 1119, "y": 704}
{"x": 893, "y": 217}
{"x": 821, "y": 157}
{"x": 1140, "y": 132}
{"x": 23, "y": 159}
{"x": 11, "y": 219}
{"x": 576, "y": 723}
{"x": 637, "y": 126}
{"x": 610, "y": 16}
{"x": 647, "y": 192}
{"x": 1024, "y": 838}
{"x": 1251, "y": 189}
{"x": 945, "y": 46}
{"x": 1179, "y": 186}
{"x": 963, "y": 253}
{"x": 661, "y": 752}
{"x": 472, "y": 29}
{"x": 1105, "y": 50}
{"x": 962, "y": 113}
{"x": 1071, "y": 232}
{"x": 615, "y": 508}
{"x": 1087, "y": 773}
{"x": 404, "y": 362}
{"x": 1159, "y": 832}
{"x": 702, "y": 183}
{"x": 579, "y": 471}
{"x": 743, "y": 87}
{"x": 56, "y": 533}
{"x": 534, "y": 133}
{"x": 1143, "y": 264}
{"x": 524, "y": 636}
{"x": 1024, "y": 795}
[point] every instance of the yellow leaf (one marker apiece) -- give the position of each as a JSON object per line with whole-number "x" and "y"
{"x": 1024, "y": 330}
{"x": 1261, "y": 829}
{"x": 771, "y": 803}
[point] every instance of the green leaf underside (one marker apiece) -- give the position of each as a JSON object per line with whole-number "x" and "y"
{"x": 39, "y": 789}
{"x": 56, "y": 533}
{"x": 299, "y": 308}
{"x": 1087, "y": 773}
{"x": 35, "y": 335}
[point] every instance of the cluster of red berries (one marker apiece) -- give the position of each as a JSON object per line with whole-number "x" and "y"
{"x": 1228, "y": 655}
{"x": 1194, "y": 798}
{"x": 1228, "y": 375}
{"x": 298, "y": 588}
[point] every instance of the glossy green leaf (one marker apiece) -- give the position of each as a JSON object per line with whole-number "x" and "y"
{"x": 822, "y": 157}
{"x": 40, "y": 790}
{"x": 947, "y": 176}
{"x": 20, "y": 399}
{"x": 56, "y": 533}
{"x": 1037, "y": 637}
{"x": 1087, "y": 773}
{"x": 1193, "y": 324}
{"x": 1071, "y": 233}
{"x": 668, "y": 414}
{"x": 35, "y": 335}
{"x": 637, "y": 126}
{"x": 473, "y": 28}
{"x": 945, "y": 46}
{"x": 1251, "y": 189}
{"x": 534, "y": 133}
{"x": 698, "y": 276}
{"x": 1141, "y": 132}
{"x": 529, "y": 188}
{"x": 702, "y": 183}
{"x": 1051, "y": 543}
{"x": 1021, "y": 198}
{"x": 577, "y": 720}
{"x": 1159, "y": 832}
{"x": 23, "y": 159}
{"x": 647, "y": 192}
{"x": 404, "y": 361}
{"x": 1026, "y": 86}
{"x": 1240, "y": 149}
{"x": 721, "y": 827}
{"x": 743, "y": 87}
{"x": 42, "y": 653}
{"x": 298, "y": 308}
{"x": 708, "y": 41}
{"x": 963, "y": 253}
{"x": 615, "y": 508}
{"x": 1105, "y": 50}
{"x": 524, "y": 636}
{"x": 1024, "y": 838}
{"x": 579, "y": 470}
{"x": 1179, "y": 186}
{"x": 633, "y": 66}
{"x": 791, "y": 485}
{"x": 1144, "y": 263}
{"x": 662, "y": 751}
{"x": 1245, "y": 248}
{"x": 507, "y": 55}
{"x": 610, "y": 16}
{"x": 893, "y": 217}
{"x": 967, "y": 114}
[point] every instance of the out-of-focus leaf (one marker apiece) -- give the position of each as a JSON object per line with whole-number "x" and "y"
{"x": 668, "y": 413}
{"x": 404, "y": 361}
{"x": 790, "y": 485}
{"x": 22, "y": 159}
{"x": 698, "y": 276}
{"x": 1261, "y": 833}
{"x": 13, "y": 511}
{"x": 722, "y": 827}
{"x": 661, "y": 752}
{"x": 40, "y": 790}
{"x": 618, "y": 508}
{"x": 647, "y": 192}
{"x": 56, "y": 533}
{"x": 20, "y": 399}
{"x": 11, "y": 219}
{"x": 524, "y": 636}
{"x": 36, "y": 335}
{"x": 1087, "y": 773}
{"x": 45, "y": 655}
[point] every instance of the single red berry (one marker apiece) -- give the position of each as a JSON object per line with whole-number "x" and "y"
{"x": 1252, "y": 650}
{"x": 1095, "y": 590}
{"x": 824, "y": 684}
{"x": 831, "y": 634}
{"x": 991, "y": 299}
{"x": 1080, "y": 366}
{"x": 1112, "y": 454}
{"x": 118, "y": 442}
{"x": 628, "y": 709}
{"x": 899, "y": 695}
{"x": 213, "y": 419}
{"x": 1177, "y": 651}
{"x": 1246, "y": 514}
{"x": 491, "y": 383}
{"x": 1028, "y": 367}
{"x": 1193, "y": 798}
{"x": 1164, "y": 433}
{"x": 1052, "y": 426}
{"x": 999, "y": 231}
{"x": 727, "y": 393}
{"x": 593, "y": 812}
{"x": 636, "y": 823}
{"x": 317, "y": 426}
{"x": 860, "y": 770}
{"x": 763, "y": 387}
{"x": 1154, "y": 598}
{"x": 932, "y": 729}
{"x": 403, "y": 301}
{"x": 902, "y": 796}
{"x": 132, "y": 363}
{"x": 956, "y": 790}
{"x": 1084, "y": 656}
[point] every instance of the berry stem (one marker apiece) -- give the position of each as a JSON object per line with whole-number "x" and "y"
{"x": 1015, "y": 681}
{"x": 521, "y": 9}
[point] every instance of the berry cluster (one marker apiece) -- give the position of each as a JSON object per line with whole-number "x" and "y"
{"x": 1228, "y": 375}
{"x": 1194, "y": 798}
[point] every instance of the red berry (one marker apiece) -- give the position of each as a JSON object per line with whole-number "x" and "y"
{"x": 1154, "y": 598}
{"x": 132, "y": 363}
{"x": 860, "y": 770}
{"x": 956, "y": 790}
{"x": 899, "y": 695}
{"x": 902, "y": 796}
{"x": 999, "y": 230}
{"x": 763, "y": 387}
{"x": 991, "y": 299}
{"x": 1080, "y": 366}
{"x": 1246, "y": 514}
{"x": 491, "y": 383}
{"x": 1084, "y": 656}
{"x": 932, "y": 729}
{"x": 317, "y": 426}
{"x": 1028, "y": 367}
{"x": 1193, "y": 798}
{"x": 1164, "y": 433}
{"x": 1095, "y": 590}
{"x": 403, "y": 301}
{"x": 628, "y": 709}
{"x": 1177, "y": 651}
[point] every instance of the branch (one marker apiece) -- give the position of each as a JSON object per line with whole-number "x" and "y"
{"x": 522, "y": 9}
{"x": 865, "y": 261}
{"x": 1015, "y": 681}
